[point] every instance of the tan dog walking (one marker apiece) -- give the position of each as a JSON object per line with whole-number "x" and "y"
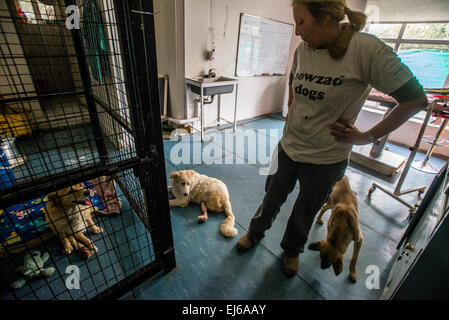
{"x": 342, "y": 228}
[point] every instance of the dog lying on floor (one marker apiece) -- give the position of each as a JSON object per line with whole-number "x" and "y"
{"x": 342, "y": 228}
{"x": 210, "y": 193}
{"x": 69, "y": 218}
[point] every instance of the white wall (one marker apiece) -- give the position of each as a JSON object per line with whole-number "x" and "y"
{"x": 409, "y": 10}
{"x": 169, "y": 28}
{"x": 357, "y": 5}
{"x": 257, "y": 95}
{"x": 15, "y": 73}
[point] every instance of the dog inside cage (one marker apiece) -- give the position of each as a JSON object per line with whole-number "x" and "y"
{"x": 69, "y": 217}
{"x": 72, "y": 227}
{"x": 77, "y": 218}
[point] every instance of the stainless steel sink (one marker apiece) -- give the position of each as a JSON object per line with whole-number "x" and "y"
{"x": 212, "y": 86}
{"x": 211, "y": 91}
{"x": 219, "y": 79}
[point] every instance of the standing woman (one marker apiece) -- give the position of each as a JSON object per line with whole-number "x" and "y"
{"x": 333, "y": 71}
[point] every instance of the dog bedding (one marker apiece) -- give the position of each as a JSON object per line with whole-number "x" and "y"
{"x": 23, "y": 226}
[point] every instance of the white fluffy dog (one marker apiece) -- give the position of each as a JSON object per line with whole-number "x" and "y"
{"x": 210, "y": 193}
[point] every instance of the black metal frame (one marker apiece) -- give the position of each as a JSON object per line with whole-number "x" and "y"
{"x": 147, "y": 95}
{"x": 136, "y": 37}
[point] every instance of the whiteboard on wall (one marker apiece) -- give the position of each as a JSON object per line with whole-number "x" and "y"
{"x": 264, "y": 46}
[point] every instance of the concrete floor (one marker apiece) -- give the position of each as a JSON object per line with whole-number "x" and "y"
{"x": 209, "y": 266}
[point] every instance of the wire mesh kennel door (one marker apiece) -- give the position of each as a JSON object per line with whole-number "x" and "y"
{"x": 117, "y": 139}
{"x": 126, "y": 93}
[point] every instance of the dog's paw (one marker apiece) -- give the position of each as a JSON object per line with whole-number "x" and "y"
{"x": 202, "y": 219}
{"x": 353, "y": 277}
{"x": 68, "y": 249}
{"x": 97, "y": 230}
{"x": 233, "y": 232}
{"x": 319, "y": 221}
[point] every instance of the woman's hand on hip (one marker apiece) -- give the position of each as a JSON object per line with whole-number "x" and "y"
{"x": 345, "y": 131}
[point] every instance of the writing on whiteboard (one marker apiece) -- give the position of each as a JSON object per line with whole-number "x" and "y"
{"x": 264, "y": 46}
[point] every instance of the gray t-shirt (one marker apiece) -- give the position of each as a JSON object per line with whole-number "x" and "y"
{"x": 326, "y": 89}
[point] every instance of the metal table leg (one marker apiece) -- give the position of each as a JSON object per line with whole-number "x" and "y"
{"x": 235, "y": 107}
{"x": 397, "y": 191}
{"x": 202, "y": 114}
{"x": 423, "y": 165}
{"x": 376, "y": 150}
{"x": 219, "y": 110}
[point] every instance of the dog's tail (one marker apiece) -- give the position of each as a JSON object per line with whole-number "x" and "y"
{"x": 227, "y": 226}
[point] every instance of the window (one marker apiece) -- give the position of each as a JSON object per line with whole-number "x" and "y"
{"x": 34, "y": 11}
{"x": 422, "y": 46}
{"x": 384, "y": 30}
{"x": 47, "y": 11}
{"x": 26, "y": 9}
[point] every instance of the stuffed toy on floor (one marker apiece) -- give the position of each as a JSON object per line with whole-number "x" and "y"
{"x": 33, "y": 266}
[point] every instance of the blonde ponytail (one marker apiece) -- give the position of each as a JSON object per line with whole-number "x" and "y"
{"x": 356, "y": 18}
{"x": 337, "y": 9}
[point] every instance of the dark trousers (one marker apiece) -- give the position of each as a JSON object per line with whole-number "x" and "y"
{"x": 316, "y": 183}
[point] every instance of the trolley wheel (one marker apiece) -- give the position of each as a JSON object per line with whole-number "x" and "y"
{"x": 412, "y": 211}
{"x": 371, "y": 190}
{"x": 420, "y": 192}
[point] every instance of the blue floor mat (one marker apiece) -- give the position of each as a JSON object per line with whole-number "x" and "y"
{"x": 246, "y": 189}
{"x": 208, "y": 264}
{"x": 125, "y": 246}
{"x": 209, "y": 267}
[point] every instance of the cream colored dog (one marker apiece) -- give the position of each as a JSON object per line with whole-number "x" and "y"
{"x": 210, "y": 193}
{"x": 342, "y": 228}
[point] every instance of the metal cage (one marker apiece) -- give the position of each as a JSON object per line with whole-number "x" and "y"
{"x": 80, "y": 107}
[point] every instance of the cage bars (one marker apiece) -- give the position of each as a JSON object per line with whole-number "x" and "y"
{"x": 124, "y": 119}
